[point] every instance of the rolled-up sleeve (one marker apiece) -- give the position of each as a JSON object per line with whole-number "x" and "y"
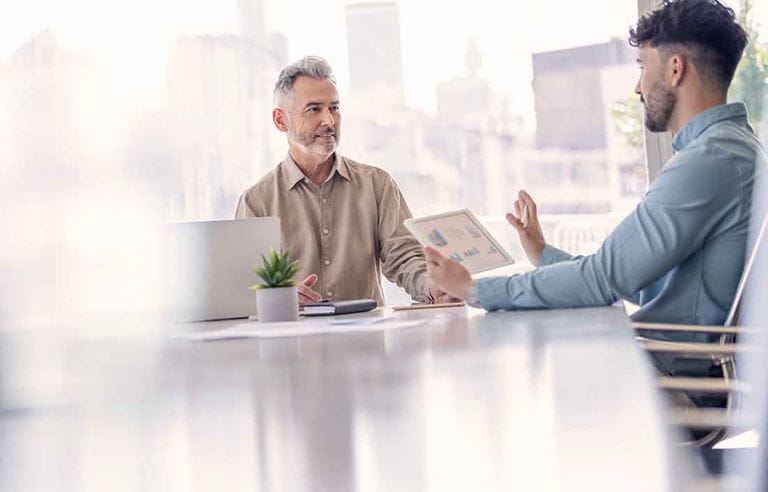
{"x": 671, "y": 223}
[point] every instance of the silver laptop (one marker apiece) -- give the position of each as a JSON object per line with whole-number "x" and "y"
{"x": 209, "y": 266}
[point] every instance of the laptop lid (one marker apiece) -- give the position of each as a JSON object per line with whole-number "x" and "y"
{"x": 209, "y": 266}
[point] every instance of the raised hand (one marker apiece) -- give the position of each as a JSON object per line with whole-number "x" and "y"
{"x": 525, "y": 220}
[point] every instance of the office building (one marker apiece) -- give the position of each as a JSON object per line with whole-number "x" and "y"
{"x": 476, "y": 133}
{"x": 219, "y": 98}
{"x": 568, "y": 86}
{"x": 374, "y": 50}
{"x": 579, "y": 143}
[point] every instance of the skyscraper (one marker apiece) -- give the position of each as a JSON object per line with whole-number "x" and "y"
{"x": 55, "y": 101}
{"x": 466, "y": 101}
{"x": 476, "y": 133}
{"x": 580, "y": 151}
{"x": 252, "y": 20}
{"x": 57, "y": 149}
{"x": 211, "y": 105}
{"x": 569, "y": 87}
{"x": 375, "y": 55}
{"x": 219, "y": 93}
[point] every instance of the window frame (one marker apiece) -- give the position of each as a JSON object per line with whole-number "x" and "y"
{"x": 658, "y": 146}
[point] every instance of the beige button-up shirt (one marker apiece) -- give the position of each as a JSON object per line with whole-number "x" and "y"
{"x": 348, "y": 231}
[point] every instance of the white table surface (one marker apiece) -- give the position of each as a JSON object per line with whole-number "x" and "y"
{"x": 538, "y": 400}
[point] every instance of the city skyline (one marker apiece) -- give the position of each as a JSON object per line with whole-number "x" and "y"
{"x": 138, "y": 62}
{"x": 213, "y": 131}
{"x": 506, "y": 35}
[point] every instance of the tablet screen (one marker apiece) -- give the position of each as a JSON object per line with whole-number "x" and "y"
{"x": 460, "y": 236}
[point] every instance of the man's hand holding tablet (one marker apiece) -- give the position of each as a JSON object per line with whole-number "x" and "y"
{"x": 449, "y": 262}
{"x": 452, "y": 278}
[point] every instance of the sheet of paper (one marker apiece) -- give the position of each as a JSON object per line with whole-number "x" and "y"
{"x": 299, "y": 328}
{"x": 363, "y": 321}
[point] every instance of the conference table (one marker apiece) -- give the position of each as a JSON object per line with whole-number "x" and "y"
{"x": 463, "y": 400}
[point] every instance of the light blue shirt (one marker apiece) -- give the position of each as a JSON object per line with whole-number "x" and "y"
{"x": 679, "y": 255}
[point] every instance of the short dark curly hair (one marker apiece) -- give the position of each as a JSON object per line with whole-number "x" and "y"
{"x": 704, "y": 30}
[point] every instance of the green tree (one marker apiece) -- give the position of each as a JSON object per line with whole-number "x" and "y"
{"x": 750, "y": 84}
{"x": 627, "y": 116}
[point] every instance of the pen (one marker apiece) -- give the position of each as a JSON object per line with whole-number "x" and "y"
{"x": 524, "y": 215}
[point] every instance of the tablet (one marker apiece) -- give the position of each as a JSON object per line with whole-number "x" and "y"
{"x": 460, "y": 236}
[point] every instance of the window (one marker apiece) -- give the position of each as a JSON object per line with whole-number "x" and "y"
{"x": 167, "y": 110}
{"x": 167, "y": 106}
{"x": 750, "y": 83}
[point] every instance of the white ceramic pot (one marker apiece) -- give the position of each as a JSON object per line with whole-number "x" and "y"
{"x": 280, "y": 304}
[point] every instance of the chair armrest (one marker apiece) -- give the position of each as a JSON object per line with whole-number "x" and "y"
{"x": 735, "y": 330}
{"x": 710, "y": 418}
{"x": 701, "y": 349}
{"x": 701, "y": 385}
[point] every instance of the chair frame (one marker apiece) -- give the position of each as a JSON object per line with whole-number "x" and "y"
{"x": 722, "y": 353}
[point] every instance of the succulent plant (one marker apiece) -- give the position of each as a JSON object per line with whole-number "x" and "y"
{"x": 277, "y": 271}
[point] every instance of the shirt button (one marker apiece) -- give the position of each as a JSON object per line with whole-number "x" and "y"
{"x": 324, "y": 200}
{"x": 327, "y": 262}
{"x": 329, "y": 293}
{"x": 326, "y": 231}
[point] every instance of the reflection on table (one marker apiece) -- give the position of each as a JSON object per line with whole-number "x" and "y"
{"x": 546, "y": 400}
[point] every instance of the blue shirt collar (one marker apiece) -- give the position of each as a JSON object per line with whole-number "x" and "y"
{"x": 707, "y": 118}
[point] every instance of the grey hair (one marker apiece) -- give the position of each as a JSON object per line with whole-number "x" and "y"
{"x": 309, "y": 66}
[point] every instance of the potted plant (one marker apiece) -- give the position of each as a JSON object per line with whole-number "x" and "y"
{"x": 276, "y": 296}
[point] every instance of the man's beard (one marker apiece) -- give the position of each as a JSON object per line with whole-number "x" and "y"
{"x": 658, "y": 107}
{"x": 311, "y": 143}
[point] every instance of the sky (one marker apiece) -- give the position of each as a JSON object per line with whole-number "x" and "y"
{"x": 134, "y": 39}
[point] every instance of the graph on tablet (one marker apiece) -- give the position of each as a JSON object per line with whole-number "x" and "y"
{"x": 461, "y": 237}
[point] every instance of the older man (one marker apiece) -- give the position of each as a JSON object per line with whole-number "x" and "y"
{"x": 341, "y": 220}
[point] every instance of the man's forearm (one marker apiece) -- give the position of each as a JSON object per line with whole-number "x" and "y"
{"x": 550, "y": 255}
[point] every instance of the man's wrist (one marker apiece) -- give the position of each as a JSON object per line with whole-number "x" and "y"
{"x": 536, "y": 260}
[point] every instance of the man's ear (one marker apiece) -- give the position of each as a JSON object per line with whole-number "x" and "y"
{"x": 279, "y": 119}
{"x": 677, "y": 68}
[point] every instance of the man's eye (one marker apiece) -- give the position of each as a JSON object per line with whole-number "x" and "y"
{"x": 334, "y": 108}
{"x": 312, "y": 110}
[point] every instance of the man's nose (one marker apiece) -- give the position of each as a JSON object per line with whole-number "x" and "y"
{"x": 327, "y": 117}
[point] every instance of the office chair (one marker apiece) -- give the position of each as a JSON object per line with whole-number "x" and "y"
{"x": 723, "y": 354}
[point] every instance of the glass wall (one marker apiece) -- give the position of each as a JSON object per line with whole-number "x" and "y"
{"x": 162, "y": 111}
{"x": 751, "y": 81}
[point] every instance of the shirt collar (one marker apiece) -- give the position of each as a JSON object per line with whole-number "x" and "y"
{"x": 341, "y": 167}
{"x": 292, "y": 173}
{"x": 705, "y": 119}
